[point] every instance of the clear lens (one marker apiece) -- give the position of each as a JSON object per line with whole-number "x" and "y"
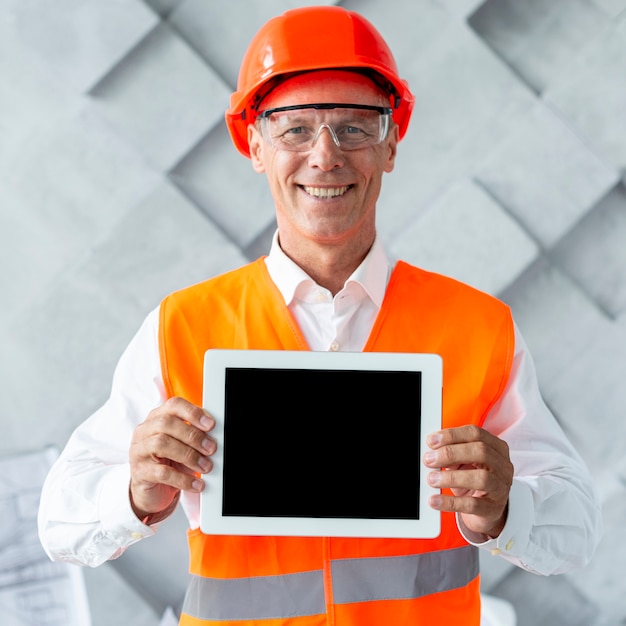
{"x": 351, "y": 127}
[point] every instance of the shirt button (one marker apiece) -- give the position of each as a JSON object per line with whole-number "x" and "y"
{"x": 136, "y": 536}
{"x": 334, "y": 346}
{"x": 509, "y": 545}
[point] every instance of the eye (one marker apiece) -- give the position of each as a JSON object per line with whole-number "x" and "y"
{"x": 353, "y": 130}
{"x": 293, "y": 133}
{"x": 295, "y": 130}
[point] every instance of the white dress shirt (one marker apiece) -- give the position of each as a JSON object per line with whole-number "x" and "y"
{"x": 85, "y": 515}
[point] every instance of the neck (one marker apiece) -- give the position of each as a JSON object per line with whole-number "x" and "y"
{"x": 327, "y": 264}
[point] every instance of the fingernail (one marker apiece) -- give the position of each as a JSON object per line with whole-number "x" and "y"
{"x": 435, "y": 502}
{"x": 208, "y": 445}
{"x": 430, "y": 457}
{"x": 204, "y": 463}
{"x": 434, "y": 439}
{"x": 206, "y": 420}
{"x": 434, "y": 478}
{"x": 197, "y": 485}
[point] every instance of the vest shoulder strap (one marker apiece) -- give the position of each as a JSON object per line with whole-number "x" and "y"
{"x": 241, "y": 309}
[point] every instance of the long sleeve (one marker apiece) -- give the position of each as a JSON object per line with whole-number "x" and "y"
{"x": 554, "y": 521}
{"x": 85, "y": 515}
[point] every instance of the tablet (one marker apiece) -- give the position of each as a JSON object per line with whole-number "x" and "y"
{"x": 320, "y": 443}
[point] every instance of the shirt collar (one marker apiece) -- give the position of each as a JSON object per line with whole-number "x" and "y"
{"x": 372, "y": 274}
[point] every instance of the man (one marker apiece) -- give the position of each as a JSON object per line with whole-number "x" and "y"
{"x": 319, "y": 110}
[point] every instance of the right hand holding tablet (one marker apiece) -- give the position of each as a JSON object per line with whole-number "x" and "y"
{"x": 168, "y": 452}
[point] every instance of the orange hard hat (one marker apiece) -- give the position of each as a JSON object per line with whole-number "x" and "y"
{"x": 309, "y": 39}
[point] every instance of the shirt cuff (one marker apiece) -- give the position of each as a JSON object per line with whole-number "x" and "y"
{"x": 117, "y": 517}
{"x": 513, "y": 540}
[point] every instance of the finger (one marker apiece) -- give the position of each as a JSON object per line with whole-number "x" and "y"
{"x": 474, "y": 453}
{"x": 480, "y": 471}
{"x": 166, "y": 424}
{"x": 157, "y": 475}
{"x": 181, "y": 420}
{"x": 185, "y": 411}
{"x": 453, "y": 449}
{"x": 466, "y": 505}
{"x": 466, "y": 434}
{"x": 480, "y": 515}
{"x": 161, "y": 447}
{"x": 470, "y": 480}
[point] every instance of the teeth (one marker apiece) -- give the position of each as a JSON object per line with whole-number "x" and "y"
{"x": 326, "y": 192}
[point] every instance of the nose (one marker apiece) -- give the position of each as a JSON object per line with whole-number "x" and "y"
{"x": 331, "y": 132}
{"x": 325, "y": 151}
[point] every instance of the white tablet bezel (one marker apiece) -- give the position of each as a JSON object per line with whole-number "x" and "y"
{"x": 215, "y": 365}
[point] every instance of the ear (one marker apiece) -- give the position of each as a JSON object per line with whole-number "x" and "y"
{"x": 256, "y": 145}
{"x": 392, "y": 148}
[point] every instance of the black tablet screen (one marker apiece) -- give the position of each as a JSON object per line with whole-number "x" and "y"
{"x": 321, "y": 443}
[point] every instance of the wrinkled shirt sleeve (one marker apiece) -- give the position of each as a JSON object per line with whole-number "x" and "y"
{"x": 554, "y": 521}
{"x": 85, "y": 516}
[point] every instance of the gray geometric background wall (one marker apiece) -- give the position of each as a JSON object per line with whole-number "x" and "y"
{"x": 118, "y": 183}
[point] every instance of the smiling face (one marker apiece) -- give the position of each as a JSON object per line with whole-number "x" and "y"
{"x": 324, "y": 196}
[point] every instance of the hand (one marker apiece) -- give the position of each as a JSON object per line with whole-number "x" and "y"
{"x": 477, "y": 467}
{"x": 167, "y": 453}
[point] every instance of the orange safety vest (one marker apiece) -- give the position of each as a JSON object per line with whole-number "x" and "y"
{"x": 315, "y": 581}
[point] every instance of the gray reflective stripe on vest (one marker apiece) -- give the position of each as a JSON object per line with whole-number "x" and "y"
{"x": 403, "y": 577}
{"x": 259, "y": 597}
{"x": 354, "y": 580}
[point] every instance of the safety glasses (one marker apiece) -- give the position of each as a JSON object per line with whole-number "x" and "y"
{"x": 351, "y": 126}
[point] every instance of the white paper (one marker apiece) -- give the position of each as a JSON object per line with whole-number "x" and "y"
{"x": 33, "y": 589}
